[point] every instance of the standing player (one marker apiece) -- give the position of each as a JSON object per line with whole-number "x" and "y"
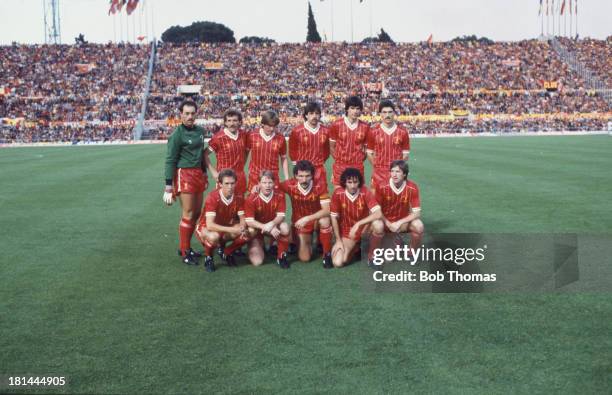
{"x": 310, "y": 141}
{"x": 386, "y": 142}
{"x": 185, "y": 177}
{"x": 354, "y": 211}
{"x": 347, "y": 139}
{"x": 222, "y": 220}
{"x": 229, "y": 147}
{"x": 267, "y": 147}
{"x": 310, "y": 207}
{"x": 400, "y": 204}
{"x": 265, "y": 215}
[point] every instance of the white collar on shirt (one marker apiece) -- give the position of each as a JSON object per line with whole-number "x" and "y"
{"x": 227, "y": 202}
{"x": 307, "y": 190}
{"x": 351, "y": 126}
{"x": 354, "y": 197}
{"x": 266, "y": 138}
{"x": 267, "y": 199}
{"x": 230, "y": 135}
{"x": 397, "y": 190}
{"x": 388, "y": 130}
{"x": 310, "y": 129}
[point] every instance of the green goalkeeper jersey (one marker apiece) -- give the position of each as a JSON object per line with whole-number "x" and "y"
{"x": 185, "y": 148}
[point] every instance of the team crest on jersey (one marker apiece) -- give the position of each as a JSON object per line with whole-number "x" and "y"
{"x": 343, "y": 205}
{"x": 396, "y": 141}
{"x": 305, "y": 138}
{"x": 359, "y": 136}
{"x": 360, "y": 206}
{"x": 342, "y": 135}
{"x": 257, "y": 144}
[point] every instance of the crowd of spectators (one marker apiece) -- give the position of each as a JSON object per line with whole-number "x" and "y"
{"x": 101, "y": 85}
{"x": 595, "y": 54}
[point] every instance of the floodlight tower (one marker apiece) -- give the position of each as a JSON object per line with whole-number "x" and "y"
{"x": 52, "y": 22}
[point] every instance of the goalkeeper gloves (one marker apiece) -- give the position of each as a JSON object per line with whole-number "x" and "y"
{"x": 168, "y": 197}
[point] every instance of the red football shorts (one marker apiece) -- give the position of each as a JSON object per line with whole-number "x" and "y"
{"x": 344, "y": 232}
{"x": 189, "y": 180}
{"x": 380, "y": 176}
{"x": 308, "y": 229}
{"x": 320, "y": 177}
{"x": 338, "y": 168}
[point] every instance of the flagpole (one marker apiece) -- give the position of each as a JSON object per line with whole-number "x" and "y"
{"x": 547, "y": 21}
{"x": 351, "y": 3}
{"x": 541, "y": 19}
{"x": 146, "y": 18}
{"x": 134, "y": 29}
{"x": 576, "y": 12}
{"x": 370, "y": 2}
{"x": 331, "y": 6}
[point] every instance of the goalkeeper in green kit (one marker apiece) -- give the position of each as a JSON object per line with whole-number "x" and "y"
{"x": 185, "y": 176}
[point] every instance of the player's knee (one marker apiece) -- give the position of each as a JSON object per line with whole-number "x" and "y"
{"x": 256, "y": 260}
{"x": 378, "y": 227}
{"x": 324, "y": 222}
{"x": 338, "y": 260}
{"x": 417, "y": 227}
{"x": 304, "y": 255}
{"x": 284, "y": 229}
{"x": 212, "y": 237}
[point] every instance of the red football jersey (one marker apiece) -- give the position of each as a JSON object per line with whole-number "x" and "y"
{"x": 350, "y": 209}
{"x": 263, "y": 209}
{"x": 388, "y": 144}
{"x": 225, "y": 211}
{"x": 229, "y": 149}
{"x": 265, "y": 151}
{"x": 310, "y": 144}
{"x": 350, "y": 141}
{"x": 398, "y": 203}
{"x": 304, "y": 202}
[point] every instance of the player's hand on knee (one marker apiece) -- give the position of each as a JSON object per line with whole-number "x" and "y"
{"x": 275, "y": 232}
{"x": 168, "y": 196}
{"x": 338, "y": 246}
{"x": 268, "y": 227}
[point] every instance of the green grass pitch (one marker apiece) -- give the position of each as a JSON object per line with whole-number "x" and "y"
{"x": 91, "y": 287}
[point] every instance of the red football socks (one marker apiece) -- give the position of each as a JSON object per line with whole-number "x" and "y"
{"x": 238, "y": 242}
{"x": 325, "y": 237}
{"x": 283, "y": 245}
{"x": 186, "y": 228}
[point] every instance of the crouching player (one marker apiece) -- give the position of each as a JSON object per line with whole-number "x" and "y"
{"x": 265, "y": 215}
{"x": 354, "y": 211}
{"x": 400, "y": 204}
{"x": 310, "y": 206}
{"x": 222, "y": 221}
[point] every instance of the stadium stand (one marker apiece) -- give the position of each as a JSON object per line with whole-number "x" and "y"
{"x": 93, "y": 92}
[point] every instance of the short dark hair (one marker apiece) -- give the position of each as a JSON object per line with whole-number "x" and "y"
{"x": 303, "y": 165}
{"x": 226, "y": 173}
{"x": 187, "y": 103}
{"x": 270, "y": 118}
{"x": 232, "y": 112}
{"x": 353, "y": 101}
{"x": 266, "y": 173}
{"x": 311, "y": 107}
{"x": 348, "y": 173}
{"x": 385, "y": 103}
{"x": 403, "y": 166}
